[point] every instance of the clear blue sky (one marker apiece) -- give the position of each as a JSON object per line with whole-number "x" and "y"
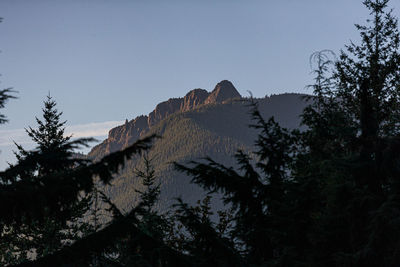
{"x": 110, "y": 60}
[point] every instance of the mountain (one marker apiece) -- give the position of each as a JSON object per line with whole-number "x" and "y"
{"x": 125, "y": 135}
{"x": 198, "y": 125}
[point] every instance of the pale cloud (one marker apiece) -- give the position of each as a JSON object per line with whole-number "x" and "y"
{"x": 18, "y": 135}
{"x": 95, "y": 129}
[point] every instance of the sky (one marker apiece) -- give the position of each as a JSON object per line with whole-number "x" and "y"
{"x": 106, "y": 61}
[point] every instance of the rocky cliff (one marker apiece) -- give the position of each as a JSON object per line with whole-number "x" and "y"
{"x": 125, "y": 135}
{"x": 200, "y": 124}
{"x": 205, "y": 130}
{"x": 222, "y": 92}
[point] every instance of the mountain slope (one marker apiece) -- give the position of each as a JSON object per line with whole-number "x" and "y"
{"x": 191, "y": 129}
{"x": 124, "y": 135}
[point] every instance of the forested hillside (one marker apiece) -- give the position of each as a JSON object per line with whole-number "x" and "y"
{"x": 215, "y": 129}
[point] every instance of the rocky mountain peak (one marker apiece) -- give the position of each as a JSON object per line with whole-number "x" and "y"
{"x": 164, "y": 109}
{"x": 223, "y": 91}
{"x": 126, "y": 134}
{"x": 194, "y": 98}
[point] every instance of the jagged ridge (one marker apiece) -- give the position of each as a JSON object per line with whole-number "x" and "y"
{"x": 217, "y": 131}
{"x": 124, "y": 135}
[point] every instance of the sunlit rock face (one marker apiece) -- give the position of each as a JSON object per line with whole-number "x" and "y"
{"x": 194, "y": 99}
{"x": 164, "y": 109}
{"x": 222, "y": 92}
{"x": 201, "y": 124}
{"x": 125, "y": 135}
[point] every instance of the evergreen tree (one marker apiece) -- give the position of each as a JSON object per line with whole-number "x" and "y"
{"x": 50, "y": 138}
{"x": 353, "y": 137}
{"x": 141, "y": 233}
{"x": 5, "y": 95}
{"x": 147, "y": 220}
{"x": 42, "y": 195}
{"x": 49, "y": 234}
{"x": 257, "y": 199}
{"x": 327, "y": 196}
{"x": 194, "y": 233}
{"x": 151, "y": 222}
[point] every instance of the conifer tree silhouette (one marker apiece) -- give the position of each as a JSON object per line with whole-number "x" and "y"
{"x": 324, "y": 196}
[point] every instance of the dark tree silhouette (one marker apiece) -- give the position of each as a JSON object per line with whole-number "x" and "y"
{"x": 325, "y": 196}
{"x": 5, "y": 95}
{"x": 44, "y": 236}
{"x": 354, "y": 149}
{"x": 43, "y": 194}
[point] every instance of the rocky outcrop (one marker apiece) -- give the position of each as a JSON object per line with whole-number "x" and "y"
{"x": 194, "y": 99}
{"x": 222, "y": 92}
{"x": 164, "y": 109}
{"x": 125, "y": 135}
{"x": 216, "y": 131}
{"x": 122, "y": 136}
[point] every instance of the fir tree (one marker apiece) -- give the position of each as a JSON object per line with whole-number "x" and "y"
{"x": 353, "y": 137}
{"x": 193, "y": 233}
{"x": 5, "y": 95}
{"x": 49, "y": 137}
{"x": 49, "y": 234}
{"x": 147, "y": 220}
{"x": 257, "y": 199}
{"x": 151, "y": 222}
{"x": 327, "y": 196}
{"x": 42, "y": 195}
